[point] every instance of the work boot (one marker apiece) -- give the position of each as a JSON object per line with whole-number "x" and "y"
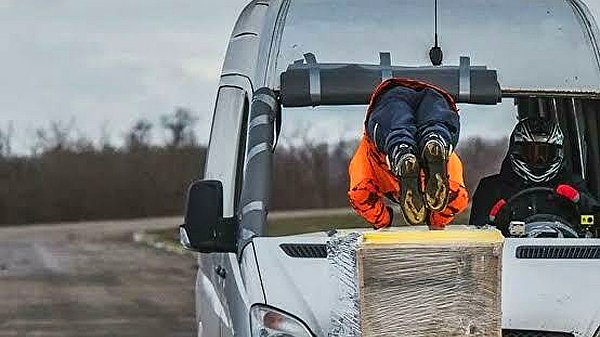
{"x": 435, "y": 157}
{"x": 405, "y": 166}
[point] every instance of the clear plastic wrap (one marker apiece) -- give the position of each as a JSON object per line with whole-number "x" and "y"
{"x": 417, "y": 284}
{"x": 341, "y": 254}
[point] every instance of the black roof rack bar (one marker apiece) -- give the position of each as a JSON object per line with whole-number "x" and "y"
{"x": 516, "y": 93}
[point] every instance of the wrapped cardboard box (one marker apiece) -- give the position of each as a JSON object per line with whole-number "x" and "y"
{"x": 411, "y": 282}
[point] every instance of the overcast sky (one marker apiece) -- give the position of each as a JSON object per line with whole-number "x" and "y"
{"x": 106, "y": 63}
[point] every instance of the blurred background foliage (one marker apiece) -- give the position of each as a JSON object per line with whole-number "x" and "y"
{"x": 69, "y": 177}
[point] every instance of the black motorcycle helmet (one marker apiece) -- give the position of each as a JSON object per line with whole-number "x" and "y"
{"x": 536, "y": 149}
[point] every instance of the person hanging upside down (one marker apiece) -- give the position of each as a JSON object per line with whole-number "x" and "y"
{"x": 406, "y": 155}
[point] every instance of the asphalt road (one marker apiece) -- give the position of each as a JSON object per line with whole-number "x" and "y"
{"x": 90, "y": 279}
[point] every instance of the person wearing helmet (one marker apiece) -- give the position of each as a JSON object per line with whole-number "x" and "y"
{"x": 406, "y": 155}
{"x": 535, "y": 158}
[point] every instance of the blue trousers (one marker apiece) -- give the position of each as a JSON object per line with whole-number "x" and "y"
{"x": 406, "y": 116}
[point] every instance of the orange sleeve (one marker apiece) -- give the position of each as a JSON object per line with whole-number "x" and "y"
{"x": 365, "y": 195}
{"x": 459, "y": 196}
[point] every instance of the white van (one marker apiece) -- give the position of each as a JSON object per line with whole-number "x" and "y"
{"x": 310, "y": 65}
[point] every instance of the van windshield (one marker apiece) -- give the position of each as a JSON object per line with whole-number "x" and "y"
{"x": 534, "y": 44}
{"x": 316, "y": 145}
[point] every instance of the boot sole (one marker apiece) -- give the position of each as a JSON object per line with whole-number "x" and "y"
{"x": 436, "y": 181}
{"x": 411, "y": 199}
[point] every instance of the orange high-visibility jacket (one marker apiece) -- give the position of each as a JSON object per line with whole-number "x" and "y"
{"x": 371, "y": 179}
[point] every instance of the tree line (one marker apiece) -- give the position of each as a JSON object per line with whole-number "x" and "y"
{"x": 68, "y": 177}
{"x": 316, "y": 175}
{"x": 71, "y": 178}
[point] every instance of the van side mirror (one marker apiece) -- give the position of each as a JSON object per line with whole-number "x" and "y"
{"x": 205, "y": 229}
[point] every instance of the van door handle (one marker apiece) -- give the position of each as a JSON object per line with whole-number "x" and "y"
{"x": 220, "y": 271}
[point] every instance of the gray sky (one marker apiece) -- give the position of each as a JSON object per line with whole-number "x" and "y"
{"x": 106, "y": 63}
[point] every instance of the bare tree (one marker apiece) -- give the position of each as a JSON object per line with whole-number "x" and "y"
{"x": 82, "y": 144}
{"x": 179, "y": 125}
{"x": 57, "y": 137}
{"x": 138, "y": 136}
{"x": 6, "y": 141}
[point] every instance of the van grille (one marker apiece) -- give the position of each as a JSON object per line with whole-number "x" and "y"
{"x": 534, "y": 333}
{"x": 305, "y": 250}
{"x": 558, "y": 252}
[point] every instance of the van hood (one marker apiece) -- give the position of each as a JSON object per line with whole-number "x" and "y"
{"x": 538, "y": 294}
{"x": 296, "y": 277}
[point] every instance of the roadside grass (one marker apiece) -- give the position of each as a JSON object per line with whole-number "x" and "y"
{"x": 282, "y": 227}
{"x": 307, "y": 224}
{"x": 301, "y": 225}
{"x": 165, "y": 235}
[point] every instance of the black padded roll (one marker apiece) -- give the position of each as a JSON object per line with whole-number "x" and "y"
{"x": 352, "y": 84}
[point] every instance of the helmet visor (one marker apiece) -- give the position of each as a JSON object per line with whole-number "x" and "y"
{"x": 538, "y": 153}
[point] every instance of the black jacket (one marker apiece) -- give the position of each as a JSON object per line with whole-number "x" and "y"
{"x": 507, "y": 183}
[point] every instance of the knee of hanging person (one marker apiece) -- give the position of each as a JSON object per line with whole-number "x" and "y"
{"x": 389, "y": 123}
{"x": 435, "y": 115}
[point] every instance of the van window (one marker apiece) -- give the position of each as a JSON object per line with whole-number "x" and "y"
{"x": 316, "y": 144}
{"x": 241, "y": 157}
{"x": 231, "y": 107}
{"x": 533, "y": 44}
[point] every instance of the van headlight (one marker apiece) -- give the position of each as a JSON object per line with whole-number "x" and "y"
{"x": 270, "y": 322}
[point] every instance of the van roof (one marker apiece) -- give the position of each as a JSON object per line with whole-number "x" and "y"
{"x": 534, "y": 45}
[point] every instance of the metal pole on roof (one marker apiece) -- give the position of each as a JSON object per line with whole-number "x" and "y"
{"x": 436, "y": 22}
{"x": 435, "y": 53}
